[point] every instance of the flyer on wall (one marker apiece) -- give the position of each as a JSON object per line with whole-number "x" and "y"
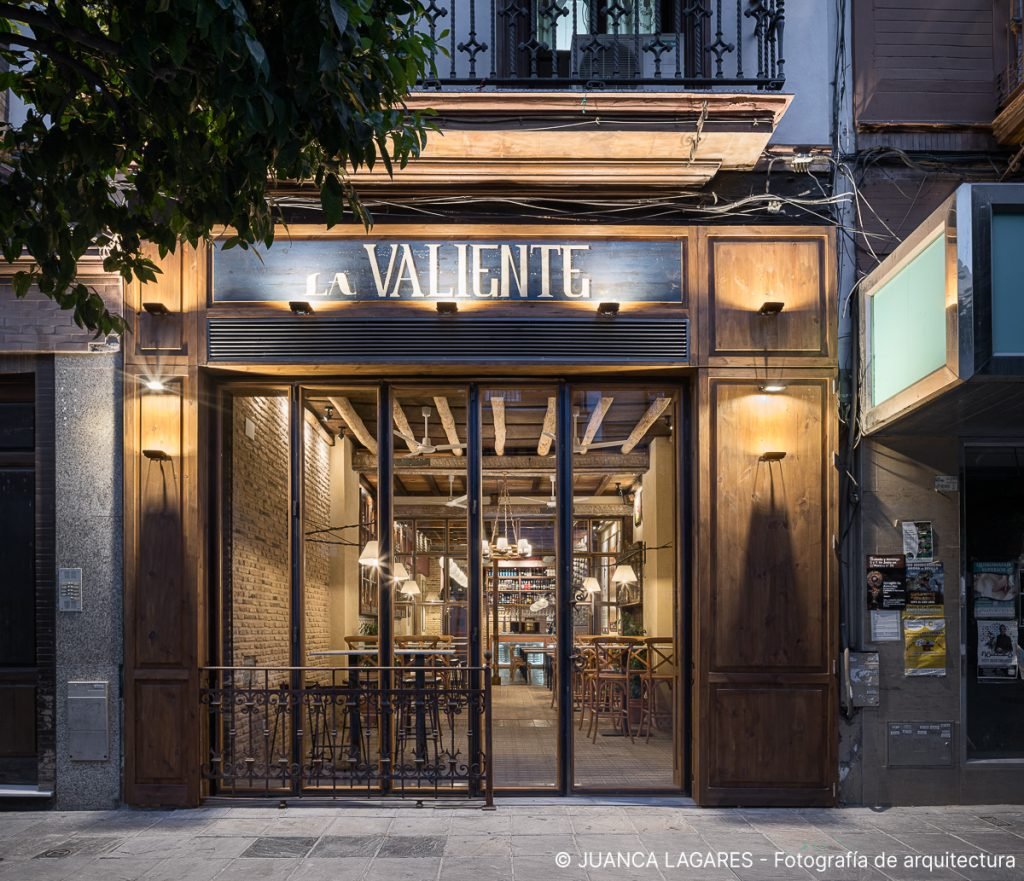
{"x": 926, "y": 589}
{"x": 918, "y": 541}
{"x": 924, "y": 646}
{"x": 887, "y": 581}
{"x": 997, "y": 650}
{"x": 995, "y": 590}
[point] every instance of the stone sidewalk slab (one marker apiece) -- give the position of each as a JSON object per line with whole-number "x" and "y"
{"x": 522, "y": 840}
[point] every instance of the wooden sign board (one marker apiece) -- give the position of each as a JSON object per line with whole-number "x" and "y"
{"x": 341, "y": 270}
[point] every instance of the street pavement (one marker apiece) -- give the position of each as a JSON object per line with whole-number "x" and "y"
{"x": 524, "y": 840}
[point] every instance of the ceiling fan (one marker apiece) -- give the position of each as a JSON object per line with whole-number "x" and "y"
{"x": 551, "y": 502}
{"x": 424, "y": 447}
{"x": 577, "y": 446}
{"x": 457, "y": 501}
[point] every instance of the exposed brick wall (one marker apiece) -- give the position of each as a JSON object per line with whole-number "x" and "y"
{"x": 316, "y": 515}
{"x": 260, "y": 584}
{"x": 37, "y": 324}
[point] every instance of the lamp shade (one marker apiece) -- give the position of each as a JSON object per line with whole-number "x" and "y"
{"x": 591, "y": 585}
{"x": 400, "y": 573}
{"x": 410, "y": 588}
{"x": 502, "y": 543}
{"x": 624, "y": 574}
{"x": 369, "y": 554}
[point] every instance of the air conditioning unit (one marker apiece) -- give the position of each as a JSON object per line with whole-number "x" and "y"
{"x": 620, "y": 56}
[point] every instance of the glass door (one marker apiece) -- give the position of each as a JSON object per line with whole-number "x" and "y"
{"x": 519, "y": 576}
{"x": 627, "y": 690}
{"x": 381, "y": 541}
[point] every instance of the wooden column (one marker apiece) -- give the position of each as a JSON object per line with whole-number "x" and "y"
{"x": 164, "y": 560}
{"x": 765, "y": 598}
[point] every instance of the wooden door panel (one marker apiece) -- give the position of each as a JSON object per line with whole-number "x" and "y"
{"x": 768, "y": 736}
{"x": 18, "y": 719}
{"x": 765, "y": 604}
{"x": 160, "y": 707}
{"x": 768, "y": 540}
{"x": 744, "y": 274}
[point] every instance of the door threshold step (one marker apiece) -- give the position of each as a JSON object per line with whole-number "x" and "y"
{"x": 13, "y": 791}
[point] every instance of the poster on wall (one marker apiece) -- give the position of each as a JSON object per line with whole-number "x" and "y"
{"x": 995, "y": 590}
{"x": 997, "y": 650}
{"x": 918, "y": 541}
{"x": 885, "y": 626}
{"x": 887, "y": 581}
{"x": 924, "y": 646}
{"x": 926, "y": 589}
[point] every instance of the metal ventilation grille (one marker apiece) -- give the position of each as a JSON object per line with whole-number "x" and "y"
{"x": 453, "y": 340}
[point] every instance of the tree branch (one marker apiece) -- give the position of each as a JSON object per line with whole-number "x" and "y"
{"x": 59, "y": 58}
{"x": 46, "y": 21}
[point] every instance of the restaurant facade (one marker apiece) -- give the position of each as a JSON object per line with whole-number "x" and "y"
{"x": 471, "y": 503}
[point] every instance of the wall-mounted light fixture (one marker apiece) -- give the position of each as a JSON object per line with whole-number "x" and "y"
{"x": 410, "y": 589}
{"x": 608, "y": 310}
{"x": 156, "y": 455}
{"x": 156, "y": 308}
{"x": 300, "y": 307}
{"x": 155, "y": 385}
{"x": 369, "y": 555}
{"x": 400, "y": 573}
{"x": 591, "y": 585}
{"x": 624, "y": 574}
{"x": 447, "y": 307}
{"x": 773, "y": 387}
{"x": 772, "y": 456}
{"x": 771, "y": 307}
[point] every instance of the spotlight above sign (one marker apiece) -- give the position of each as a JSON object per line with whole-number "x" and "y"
{"x": 344, "y": 270}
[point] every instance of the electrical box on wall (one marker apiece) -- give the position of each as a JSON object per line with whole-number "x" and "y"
{"x": 88, "y": 730}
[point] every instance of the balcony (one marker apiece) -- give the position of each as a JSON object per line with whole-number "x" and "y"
{"x": 607, "y": 44}
{"x": 1008, "y": 125}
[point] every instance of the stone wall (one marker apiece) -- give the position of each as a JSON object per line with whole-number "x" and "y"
{"x": 89, "y": 535}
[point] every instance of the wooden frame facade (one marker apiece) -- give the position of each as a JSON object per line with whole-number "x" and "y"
{"x": 764, "y": 625}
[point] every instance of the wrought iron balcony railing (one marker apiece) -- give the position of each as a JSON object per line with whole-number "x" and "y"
{"x": 607, "y": 43}
{"x": 1012, "y": 77}
{"x": 422, "y": 728}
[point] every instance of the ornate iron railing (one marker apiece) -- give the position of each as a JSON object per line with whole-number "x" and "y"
{"x": 422, "y": 729}
{"x": 1012, "y": 77}
{"x": 607, "y": 43}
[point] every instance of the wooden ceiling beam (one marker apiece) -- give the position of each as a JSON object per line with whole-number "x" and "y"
{"x": 513, "y": 466}
{"x": 659, "y": 406}
{"x": 498, "y": 409}
{"x": 448, "y": 423}
{"x": 355, "y": 424}
{"x": 402, "y": 424}
{"x": 596, "y": 418}
{"x": 547, "y": 430}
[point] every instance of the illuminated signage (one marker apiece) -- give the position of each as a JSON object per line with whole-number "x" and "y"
{"x": 394, "y": 271}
